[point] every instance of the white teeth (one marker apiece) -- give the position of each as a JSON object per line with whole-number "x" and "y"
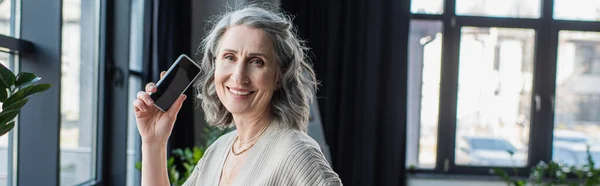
{"x": 239, "y": 93}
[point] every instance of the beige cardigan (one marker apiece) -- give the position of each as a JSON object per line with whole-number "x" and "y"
{"x": 281, "y": 156}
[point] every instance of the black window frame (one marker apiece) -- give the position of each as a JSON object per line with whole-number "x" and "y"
{"x": 39, "y": 129}
{"x": 544, "y": 70}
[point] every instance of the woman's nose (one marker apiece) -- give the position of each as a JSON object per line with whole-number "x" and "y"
{"x": 239, "y": 74}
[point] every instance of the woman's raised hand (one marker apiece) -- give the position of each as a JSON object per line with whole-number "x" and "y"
{"x": 154, "y": 125}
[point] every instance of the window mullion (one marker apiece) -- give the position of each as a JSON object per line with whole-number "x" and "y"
{"x": 448, "y": 91}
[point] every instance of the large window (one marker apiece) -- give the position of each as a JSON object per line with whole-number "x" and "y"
{"x": 6, "y": 7}
{"x": 8, "y": 18}
{"x": 502, "y": 84}
{"x": 494, "y": 93}
{"x": 79, "y": 91}
{"x": 499, "y": 8}
{"x": 425, "y": 41}
{"x": 577, "y": 110}
{"x": 427, "y": 6}
{"x": 7, "y": 141}
{"x": 586, "y": 10}
{"x": 135, "y": 84}
{"x": 75, "y": 132}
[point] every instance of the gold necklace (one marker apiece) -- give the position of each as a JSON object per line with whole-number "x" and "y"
{"x": 255, "y": 137}
{"x": 244, "y": 150}
{"x": 237, "y": 138}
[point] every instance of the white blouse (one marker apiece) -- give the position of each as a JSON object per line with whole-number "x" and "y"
{"x": 281, "y": 156}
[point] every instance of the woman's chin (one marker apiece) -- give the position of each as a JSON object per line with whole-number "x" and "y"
{"x": 237, "y": 109}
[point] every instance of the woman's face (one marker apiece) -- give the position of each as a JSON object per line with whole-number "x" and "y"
{"x": 245, "y": 70}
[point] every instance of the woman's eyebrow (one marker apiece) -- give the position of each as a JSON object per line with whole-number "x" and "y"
{"x": 257, "y": 54}
{"x": 254, "y": 54}
{"x": 229, "y": 50}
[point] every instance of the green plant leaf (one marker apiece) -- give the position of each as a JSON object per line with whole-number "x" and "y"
{"x": 174, "y": 175}
{"x": 520, "y": 183}
{"x": 5, "y": 128}
{"x": 7, "y": 78}
{"x": 25, "y": 78}
{"x": 188, "y": 154}
{"x": 19, "y": 95}
{"x": 3, "y": 94}
{"x": 170, "y": 162}
{"x": 178, "y": 153}
{"x": 187, "y": 166}
{"x": 138, "y": 166}
{"x": 8, "y": 115}
{"x": 16, "y": 105}
{"x": 197, "y": 154}
{"x": 185, "y": 177}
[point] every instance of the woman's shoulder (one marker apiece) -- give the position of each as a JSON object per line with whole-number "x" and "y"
{"x": 300, "y": 140}
{"x": 302, "y": 155}
{"x": 298, "y": 144}
{"x": 283, "y": 137}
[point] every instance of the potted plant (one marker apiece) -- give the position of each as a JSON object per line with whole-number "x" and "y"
{"x": 555, "y": 173}
{"x": 14, "y": 92}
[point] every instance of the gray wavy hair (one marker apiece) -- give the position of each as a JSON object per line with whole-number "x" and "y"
{"x": 290, "y": 103}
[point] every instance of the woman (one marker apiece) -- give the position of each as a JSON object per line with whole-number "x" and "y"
{"x": 256, "y": 77}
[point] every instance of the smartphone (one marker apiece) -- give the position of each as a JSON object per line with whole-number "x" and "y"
{"x": 174, "y": 83}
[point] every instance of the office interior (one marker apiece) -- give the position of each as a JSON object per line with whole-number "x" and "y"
{"x": 412, "y": 92}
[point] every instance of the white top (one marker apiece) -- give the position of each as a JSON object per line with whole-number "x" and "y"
{"x": 281, "y": 156}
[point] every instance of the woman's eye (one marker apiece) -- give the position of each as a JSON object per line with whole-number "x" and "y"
{"x": 257, "y": 62}
{"x": 230, "y": 58}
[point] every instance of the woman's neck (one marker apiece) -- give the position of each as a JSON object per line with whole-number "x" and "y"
{"x": 250, "y": 126}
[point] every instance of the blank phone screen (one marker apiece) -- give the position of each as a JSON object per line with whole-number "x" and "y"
{"x": 179, "y": 77}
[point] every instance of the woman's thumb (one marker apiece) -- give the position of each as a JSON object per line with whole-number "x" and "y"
{"x": 176, "y": 106}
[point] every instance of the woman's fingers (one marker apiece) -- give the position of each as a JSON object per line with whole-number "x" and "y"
{"x": 144, "y": 102}
{"x": 162, "y": 74}
{"x": 150, "y": 88}
{"x": 139, "y": 106}
{"x": 143, "y": 96}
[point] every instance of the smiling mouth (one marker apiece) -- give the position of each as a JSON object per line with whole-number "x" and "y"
{"x": 240, "y": 92}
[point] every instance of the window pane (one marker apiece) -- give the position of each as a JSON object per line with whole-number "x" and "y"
{"x": 137, "y": 35}
{"x": 135, "y": 85}
{"x": 79, "y": 82}
{"x": 7, "y": 27}
{"x": 425, "y": 49}
{"x": 499, "y": 8}
{"x": 587, "y": 10}
{"x": 427, "y": 6}
{"x": 5, "y": 15}
{"x": 577, "y": 108}
{"x": 494, "y": 96}
{"x": 4, "y": 159}
{"x": 5, "y": 140}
